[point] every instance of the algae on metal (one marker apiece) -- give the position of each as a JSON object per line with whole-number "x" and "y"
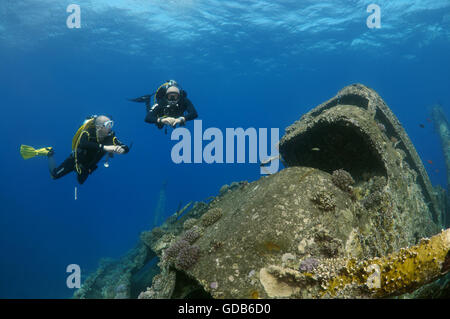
{"x": 395, "y": 274}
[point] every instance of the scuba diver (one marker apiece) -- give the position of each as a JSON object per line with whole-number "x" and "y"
{"x": 170, "y": 107}
{"x": 91, "y": 142}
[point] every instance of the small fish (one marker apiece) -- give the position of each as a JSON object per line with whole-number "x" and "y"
{"x": 430, "y": 161}
{"x": 421, "y": 125}
{"x": 315, "y": 149}
{"x": 429, "y": 120}
{"x": 269, "y": 160}
{"x": 395, "y": 141}
{"x": 436, "y": 170}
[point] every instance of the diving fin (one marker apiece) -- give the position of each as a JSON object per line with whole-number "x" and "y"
{"x": 30, "y": 152}
{"x": 142, "y": 99}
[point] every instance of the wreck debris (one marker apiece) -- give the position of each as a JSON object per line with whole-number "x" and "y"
{"x": 398, "y": 273}
{"x": 342, "y": 179}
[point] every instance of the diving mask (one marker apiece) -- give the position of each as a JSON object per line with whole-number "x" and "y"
{"x": 104, "y": 129}
{"x": 173, "y": 95}
{"x": 108, "y": 124}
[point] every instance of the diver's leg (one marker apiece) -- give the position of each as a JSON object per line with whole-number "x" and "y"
{"x": 82, "y": 177}
{"x": 85, "y": 173}
{"x": 65, "y": 168}
{"x": 51, "y": 163}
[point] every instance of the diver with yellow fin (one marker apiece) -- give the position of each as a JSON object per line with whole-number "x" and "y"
{"x": 91, "y": 142}
{"x": 170, "y": 107}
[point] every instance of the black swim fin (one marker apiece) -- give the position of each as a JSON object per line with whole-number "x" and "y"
{"x": 142, "y": 99}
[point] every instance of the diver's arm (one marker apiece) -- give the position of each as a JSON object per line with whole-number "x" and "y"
{"x": 51, "y": 165}
{"x": 113, "y": 141}
{"x": 152, "y": 115}
{"x": 86, "y": 144}
{"x": 119, "y": 143}
{"x": 191, "y": 112}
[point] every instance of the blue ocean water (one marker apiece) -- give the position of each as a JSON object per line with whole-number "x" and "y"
{"x": 244, "y": 63}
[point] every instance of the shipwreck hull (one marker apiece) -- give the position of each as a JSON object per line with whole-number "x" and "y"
{"x": 349, "y": 217}
{"x": 364, "y": 129}
{"x": 288, "y": 236}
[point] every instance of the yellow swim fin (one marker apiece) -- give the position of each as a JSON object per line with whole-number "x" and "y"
{"x": 29, "y": 152}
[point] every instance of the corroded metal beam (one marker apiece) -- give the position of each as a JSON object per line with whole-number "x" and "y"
{"x": 442, "y": 128}
{"x": 397, "y": 273}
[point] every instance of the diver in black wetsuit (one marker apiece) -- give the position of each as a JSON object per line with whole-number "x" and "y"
{"x": 92, "y": 143}
{"x": 172, "y": 107}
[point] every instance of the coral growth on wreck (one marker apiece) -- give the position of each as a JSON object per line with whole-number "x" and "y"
{"x": 187, "y": 257}
{"x": 373, "y": 200}
{"x": 211, "y": 216}
{"x": 342, "y": 179}
{"x": 308, "y": 264}
{"x": 324, "y": 201}
{"x": 191, "y": 235}
{"x": 189, "y": 223}
{"x": 397, "y": 273}
{"x": 182, "y": 254}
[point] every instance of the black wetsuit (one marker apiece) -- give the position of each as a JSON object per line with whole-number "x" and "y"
{"x": 89, "y": 153}
{"x": 184, "y": 108}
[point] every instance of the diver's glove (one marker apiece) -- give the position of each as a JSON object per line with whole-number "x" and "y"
{"x": 181, "y": 120}
{"x": 166, "y": 120}
{"x": 120, "y": 150}
{"x": 114, "y": 149}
